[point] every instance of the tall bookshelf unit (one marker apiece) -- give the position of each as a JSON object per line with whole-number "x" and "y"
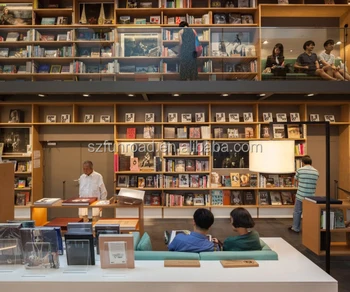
{"x": 69, "y": 38}
{"x": 77, "y": 129}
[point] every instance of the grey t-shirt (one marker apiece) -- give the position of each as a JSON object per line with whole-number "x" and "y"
{"x": 330, "y": 59}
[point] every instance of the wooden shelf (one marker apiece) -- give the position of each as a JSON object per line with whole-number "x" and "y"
{"x": 186, "y": 172}
{"x": 22, "y": 172}
{"x": 16, "y": 156}
{"x": 276, "y": 206}
{"x": 23, "y": 189}
{"x": 303, "y": 10}
{"x": 185, "y": 156}
{"x": 53, "y": 12}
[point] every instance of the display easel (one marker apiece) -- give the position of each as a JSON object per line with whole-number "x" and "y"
{"x": 7, "y": 206}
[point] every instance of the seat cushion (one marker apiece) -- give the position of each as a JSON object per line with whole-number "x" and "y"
{"x": 145, "y": 243}
{"x": 136, "y": 239}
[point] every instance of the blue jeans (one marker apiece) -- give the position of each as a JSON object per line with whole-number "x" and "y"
{"x": 298, "y": 209}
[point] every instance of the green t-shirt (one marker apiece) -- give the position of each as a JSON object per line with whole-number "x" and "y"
{"x": 249, "y": 241}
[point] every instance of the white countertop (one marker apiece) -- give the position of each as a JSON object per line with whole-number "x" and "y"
{"x": 292, "y": 271}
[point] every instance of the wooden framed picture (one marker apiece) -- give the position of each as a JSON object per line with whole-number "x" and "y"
{"x": 16, "y": 116}
{"x": 314, "y": 117}
{"x": 105, "y": 119}
{"x": 186, "y": 118}
{"x": 89, "y": 118}
{"x": 62, "y": 37}
{"x": 329, "y": 118}
{"x": 294, "y": 117}
{"x": 233, "y": 117}
{"x": 51, "y": 119}
{"x": 65, "y": 118}
{"x": 220, "y": 117}
{"x": 129, "y": 118}
{"x": 281, "y": 117}
{"x": 62, "y": 20}
{"x": 200, "y": 117}
{"x": 149, "y": 117}
{"x": 248, "y": 117}
{"x": 55, "y": 69}
{"x": 267, "y": 117}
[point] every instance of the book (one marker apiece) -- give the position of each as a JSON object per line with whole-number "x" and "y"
{"x": 47, "y": 201}
{"x": 322, "y": 200}
{"x": 84, "y": 201}
{"x": 80, "y": 249}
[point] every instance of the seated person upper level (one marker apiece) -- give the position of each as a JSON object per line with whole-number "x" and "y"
{"x": 185, "y": 53}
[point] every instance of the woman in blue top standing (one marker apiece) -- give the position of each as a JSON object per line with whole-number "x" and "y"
{"x": 242, "y": 221}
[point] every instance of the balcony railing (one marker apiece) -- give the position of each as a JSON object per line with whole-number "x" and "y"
{"x": 246, "y": 52}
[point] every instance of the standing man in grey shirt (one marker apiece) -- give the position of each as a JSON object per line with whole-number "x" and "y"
{"x": 307, "y": 62}
{"x": 306, "y": 177}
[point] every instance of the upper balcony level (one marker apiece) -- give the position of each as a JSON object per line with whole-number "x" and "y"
{"x": 43, "y": 45}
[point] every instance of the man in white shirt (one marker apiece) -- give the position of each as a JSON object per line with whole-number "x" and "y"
{"x": 91, "y": 185}
{"x": 327, "y": 60}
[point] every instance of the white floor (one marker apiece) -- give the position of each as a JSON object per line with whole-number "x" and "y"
{"x": 293, "y": 272}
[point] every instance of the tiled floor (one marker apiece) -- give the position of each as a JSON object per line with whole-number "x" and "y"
{"x": 340, "y": 267}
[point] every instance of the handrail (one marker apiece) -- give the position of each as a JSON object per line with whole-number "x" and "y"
{"x": 339, "y": 188}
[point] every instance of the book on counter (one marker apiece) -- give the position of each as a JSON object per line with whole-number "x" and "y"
{"x": 47, "y": 201}
{"x": 322, "y": 200}
{"x": 84, "y": 201}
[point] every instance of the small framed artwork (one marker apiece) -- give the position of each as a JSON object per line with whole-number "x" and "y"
{"x": 129, "y": 118}
{"x": 154, "y": 19}
{"x": 329, "y": 118}
{"x": 314, "y": 117}
{"x": 294, "y": 117}
{"x": 123, "y": 180}
{"x": 200, "y": 117}
{"x": 105, "y": 119}
{"x": 220, "y": 117}
{"x": 62, "y": 20}
{"x": 267, "y": 117}
{"x": 248, "y": 117}
{"x": 51, "y": 119}
{"x": 172, "y": 117}
{"x": 232, "y": 133}
{"x": 149, "y": 117}
{"x": 65, "y": 118}
{"x": 16, "y": 116}
{"x": 89, "y": 118}
{"x": 233, "y": 117}
{"x": 186, "y": 118}
{"x": 55, "y": 69}
{"x": 281, "y": 117}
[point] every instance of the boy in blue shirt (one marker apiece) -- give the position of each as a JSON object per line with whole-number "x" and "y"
{"x": 197, "y": 240}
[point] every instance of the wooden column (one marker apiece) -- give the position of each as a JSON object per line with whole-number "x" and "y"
{"x": 7, "y": 206}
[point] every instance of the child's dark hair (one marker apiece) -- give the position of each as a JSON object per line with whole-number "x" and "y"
{"x": 278, "y": 46}
{"x": 203, "y": 218}
{"x": 308, "y": 43}
{"x": 183, "y": 24}
{"x": 328, "y": 42}
{"x": 306, "y": 160}
{"x": 241, "y": 218}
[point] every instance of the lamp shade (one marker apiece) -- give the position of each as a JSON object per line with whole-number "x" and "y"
{"x": 271, "y": 156}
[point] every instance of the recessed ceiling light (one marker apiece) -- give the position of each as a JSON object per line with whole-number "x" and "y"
{"x": 338, "y": 43}
{"x": 265, "y": 42}
{"x": 311, "y": 94}
{"x": 224, "y": 94}
{"x": 131, "y": 95}
{"x": 41, "y": 95}
{"x": 176, "y": 94}
{"x": 86, "y": 95}
{"x": 262, "y": 94}
{"x": 291, "y": 51}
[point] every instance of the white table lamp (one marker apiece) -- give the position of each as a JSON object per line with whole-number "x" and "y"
{"x": 276, "y": 157}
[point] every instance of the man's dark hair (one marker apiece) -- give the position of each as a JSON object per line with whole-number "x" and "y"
{"x": 203, "y": 218}
{"x": 308, "y": 43}
{"x": 241, "y": 218}
{"x": 306, "y": 160}
{"x": 328, "y": 42}
{"x": 183, "y": 24}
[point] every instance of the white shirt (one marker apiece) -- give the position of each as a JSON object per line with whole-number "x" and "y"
{"x": 92, "y": 186}
{"x": 330, "y": 59}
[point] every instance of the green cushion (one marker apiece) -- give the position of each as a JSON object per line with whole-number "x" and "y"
{"x": 136, "y": 239}
{"x": 145, "y": 243}
{"x": 165, "y": 255}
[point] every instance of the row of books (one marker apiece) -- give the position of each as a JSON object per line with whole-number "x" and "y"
{"x": 23, "y": 182}
{"x": 148, "y": 132}
{"x": 336, "y": 219}
{"x": 276, "y": 180}
{"x": 190, "y": 19}
{"x": 186, "y": 181}
{"x": 182, "y": 165}
{"x": 172, "y": 35}
{"x": 234, "y": 133}
{"x": 22, "y": 198}
{"x": 188, "y": 148}
{"x": 188, "y": 199}
{"x": 140, "y": 181}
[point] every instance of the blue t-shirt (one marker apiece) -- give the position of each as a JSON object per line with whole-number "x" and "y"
{"x": 193, "y": 242}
